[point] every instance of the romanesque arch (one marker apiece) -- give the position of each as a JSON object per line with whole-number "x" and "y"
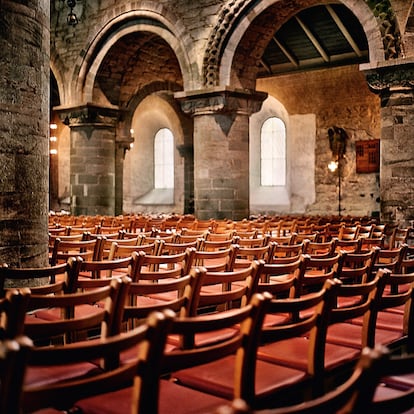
{"x": 241, "y": 16}
{"x": 153, "y": 21}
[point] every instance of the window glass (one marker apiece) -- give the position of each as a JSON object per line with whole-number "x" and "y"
{"x": 273, "y": 152}
{"x": 164, "y": 159}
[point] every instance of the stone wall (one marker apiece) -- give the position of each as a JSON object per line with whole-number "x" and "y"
{"x": 337, "y": 97}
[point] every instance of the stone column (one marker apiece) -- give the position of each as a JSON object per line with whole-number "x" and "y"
{"x": 24, "y": 132}
{"x": 93, "y": 158}
{"x": 395, "y": 84}
{"x": 221, "y": 149}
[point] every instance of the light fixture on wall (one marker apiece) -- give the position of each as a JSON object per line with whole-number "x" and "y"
{"x": 337, "y": 142}
{"x": 53, "y": 139}
{"x": 72, "y": 19}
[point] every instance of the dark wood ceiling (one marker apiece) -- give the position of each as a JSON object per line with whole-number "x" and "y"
{"x": 317, "y": 37}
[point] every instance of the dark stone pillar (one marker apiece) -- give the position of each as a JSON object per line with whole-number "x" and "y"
{"x": 395, "y": 84}
{"x": 94, "y": 159}
{"x": 187, "y": 152}
{"x": 24, "y": 132}
{"x": 221, "y": 149}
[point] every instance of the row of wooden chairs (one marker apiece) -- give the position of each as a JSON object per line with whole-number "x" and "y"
{"x": 281, "y": 275}
{"x": 275, "y": 225}
{"x": 282, "y": 306}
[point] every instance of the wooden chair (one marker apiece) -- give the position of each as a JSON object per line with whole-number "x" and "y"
{"x": 239, "y": 348}
{"x": 365, "y": 230}
{"x": 316, "y": 270}
{"x": 218, "y": 260}
{"x": 119, "y": 250}
{"x": 228, "y": 235}
{"x": 100, "y": 358}
{"x": 391, "y": 317}
{"x": 370, "y": 242}
{"x": 377, "y": 231}
{"x": 359, "y": 301}
{"x": 407, "y": 262}
{"x": 13, "y": 357}
{"x": 157, "y": 267}
{"x": 269, "y": 383}
{"x": 390, "y": 259}
{"x": 214, "y": 245}
{"x": 246, "y": 234}
{"x": 69, "y": 321}
{"x": 348, "y": 232}
{"x": 47, "y": 279}
{"x": 356, "y": 267}
{"x": 13, "y": 308}
{"x": 130, "y": 241}
{"x": 87, "y": 250}
{"x": 398, "y": 237}
{"x": 352, "y": 396}
{"x": 222, "y": 290}
{"x": 181, "y": 246}
{"x": 330, "y": 360}
{"x": 104, "y": 269}
{"x": 246, "y": 255}
{"x": 179, "y": 295}
{"x": 351, "y": 245}
{"x": 282, "y": 251}
{"x": 319, "y": 248}
{"x": 282, "y": 240}
{"x": 393, "y": 393}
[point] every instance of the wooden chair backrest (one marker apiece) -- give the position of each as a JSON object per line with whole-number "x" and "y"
{"x": 352, "y": 396}
{"x": 315, "y": 271}
{"x": 104, "y": 269}
{"x": 246, "y": 322}
{"x": 350, "y": 245}
{"x": 86, "y": 249}
{"x": 149, "y": 341}
{"x": 319, "y": 248}
{"x": 365, "y": 295}
{"x": 225, "y": 290}
{"x": 218, "y": 260}
{"x": 13, "y": 308}
{"x": 156, "y": 267}
{"x": 398, "y": 291}
{"x": 119, "y": 250}
{"x": 356, "y": 267}
{"x": 403, "y": 400}
{"x": 390, "y": 258}
{"x": 185, "y": 292}
{"x": 246, "y": 255}
{"x": 43, "y": 280}
{"x": 13, "y": 359}
{"x": 278, "y": 278}
{"x": 291, "y": 250}
{"x": 73, "y": 323}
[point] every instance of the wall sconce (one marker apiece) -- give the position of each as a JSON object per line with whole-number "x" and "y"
{"x": 72, "y": 19}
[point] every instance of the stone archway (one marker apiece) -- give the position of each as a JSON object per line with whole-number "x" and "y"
{"x": 239, "y": 28}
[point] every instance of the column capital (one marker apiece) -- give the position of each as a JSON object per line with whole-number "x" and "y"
{"x": 89, "y": 116}
{"x": 390, "y": 76}
{"x": 219, "y": 100}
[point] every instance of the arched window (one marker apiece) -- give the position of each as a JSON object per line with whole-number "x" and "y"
{"x": 273, "y": 152}
{"x": 164, "y": 159}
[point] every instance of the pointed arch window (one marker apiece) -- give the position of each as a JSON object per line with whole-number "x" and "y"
{"x": 273, "y": 152}
{"x": 164, "y": 159}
